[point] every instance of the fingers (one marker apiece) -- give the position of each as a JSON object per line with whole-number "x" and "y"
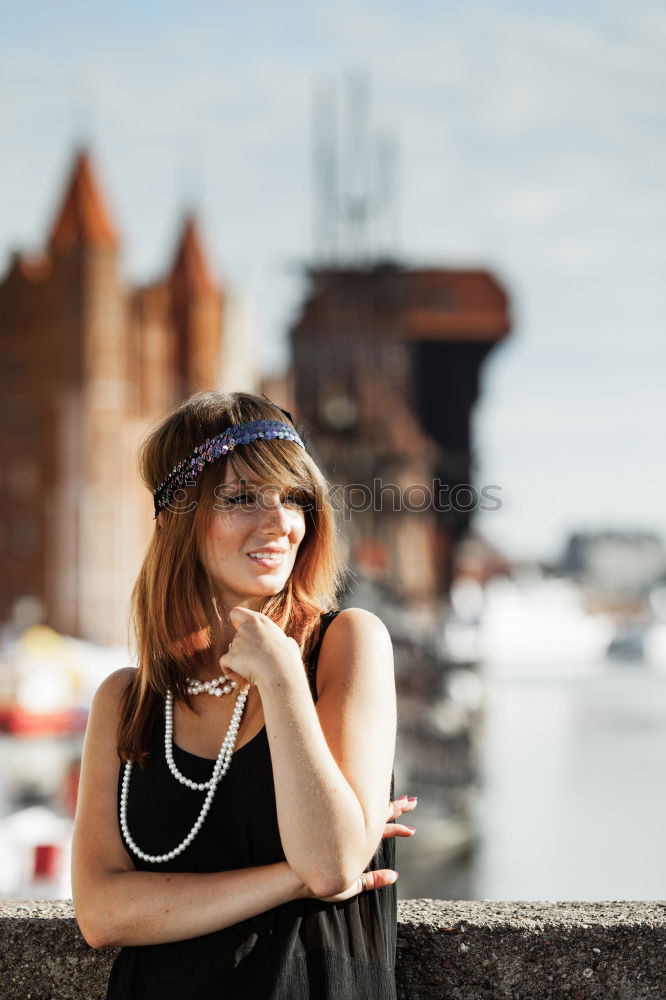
{"x": 402, "y": 805}
{"x": 378, "y": 879}
{"x": 226, "y": 662}
{"x": 230, "y": 674}
{"x": 366, "y": 882}
{"x": 398, "y": 830}
{"x": 233, "y": 676}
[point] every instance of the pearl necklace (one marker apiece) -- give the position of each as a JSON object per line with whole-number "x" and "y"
{"x": 218, "y": 686}
{"x": 219, "y": 770}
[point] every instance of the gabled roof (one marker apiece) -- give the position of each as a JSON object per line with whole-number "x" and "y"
{"x": 83, "y": 219}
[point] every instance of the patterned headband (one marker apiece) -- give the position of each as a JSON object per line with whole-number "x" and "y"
{"x": 185, "y": 473}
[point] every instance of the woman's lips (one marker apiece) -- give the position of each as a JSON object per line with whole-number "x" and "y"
{"x": 270, "y": 562}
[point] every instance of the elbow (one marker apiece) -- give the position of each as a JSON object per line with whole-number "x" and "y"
{"x": 331, "y": 883}
{"x": 353, "y": 866}
{"x": 95, "y": 937}
{"x": 96, "y": 942}
{"x": 102, "y": 911}
{"x": 334, "y": 884}
{"x": 323, "y": 883}
{"x": 325, "y": 887}
{"x": 97, "y": 932}
{"x": 339, "y": 876}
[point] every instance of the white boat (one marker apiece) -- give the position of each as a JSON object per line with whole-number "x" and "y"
{"x": 534, "y": 624}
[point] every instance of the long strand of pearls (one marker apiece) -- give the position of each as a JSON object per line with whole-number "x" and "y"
{"x": 226, "y": 750}
{"x": 220, "y": 768}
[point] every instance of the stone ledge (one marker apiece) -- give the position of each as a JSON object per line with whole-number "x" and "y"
{"x": 446, "y": 951}
{"x": 531, "y": 950}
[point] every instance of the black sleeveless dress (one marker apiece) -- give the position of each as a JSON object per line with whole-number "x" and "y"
{"x": 300, "y": 950}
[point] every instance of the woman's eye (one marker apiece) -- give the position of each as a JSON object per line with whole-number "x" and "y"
{"x": 245, "y": 499}
{"x": 298, "y": 499}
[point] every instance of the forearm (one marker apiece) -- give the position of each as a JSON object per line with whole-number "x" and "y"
{"x": 141, "y": 908}
{"x": 322, "y": 825}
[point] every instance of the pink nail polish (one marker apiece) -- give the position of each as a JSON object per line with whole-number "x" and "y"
{"x": 411, "y": 798}
{"x": 412, "y": 828}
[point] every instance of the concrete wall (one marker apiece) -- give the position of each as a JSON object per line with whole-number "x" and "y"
{"x": 446, "y": 951}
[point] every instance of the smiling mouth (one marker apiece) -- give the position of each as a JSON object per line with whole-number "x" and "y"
{"x": 270, "y": 559}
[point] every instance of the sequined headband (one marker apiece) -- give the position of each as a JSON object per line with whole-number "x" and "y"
{"x": 185, "y": 473}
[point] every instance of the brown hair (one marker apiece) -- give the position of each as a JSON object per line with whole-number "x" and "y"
{"x": 173, "y": 612}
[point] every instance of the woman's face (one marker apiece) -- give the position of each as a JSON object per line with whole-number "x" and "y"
{"x": 253, "y": 518}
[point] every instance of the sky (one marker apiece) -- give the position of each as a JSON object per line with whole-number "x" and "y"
{"x": 532, "y": 142}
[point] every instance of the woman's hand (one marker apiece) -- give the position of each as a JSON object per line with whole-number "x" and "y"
{"x": 381, "y": 877}
{"x": 260, "y": 649}
{"x": 396, "y": 809}
{"x": 378, "y": 879}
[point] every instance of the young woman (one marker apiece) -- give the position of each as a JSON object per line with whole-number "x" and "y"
{"x": 233, "y": 829}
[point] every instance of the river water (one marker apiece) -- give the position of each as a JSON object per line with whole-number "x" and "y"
{"x": 572, "y": 797}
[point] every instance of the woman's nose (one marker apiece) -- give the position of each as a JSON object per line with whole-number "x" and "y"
{"x": 274, "y": 512}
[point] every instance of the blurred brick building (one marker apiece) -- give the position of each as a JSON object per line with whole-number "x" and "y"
{"x": 87, "y": 364}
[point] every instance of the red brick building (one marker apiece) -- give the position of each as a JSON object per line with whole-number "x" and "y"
{"x": 87, "y": 365}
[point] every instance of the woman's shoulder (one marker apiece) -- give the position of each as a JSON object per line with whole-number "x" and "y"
{"x": 104, "y": 717}
{"x": 343, "y": 624}
{"x": 110, "y": 691}
{"x": 348, "y": 621}
{"x": 359, "y": 639}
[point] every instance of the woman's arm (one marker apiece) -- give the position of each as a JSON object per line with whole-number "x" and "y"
{"x": 137, "y": 908}
{"x": 332, "y": 762}
{"x": 117, "y": 905}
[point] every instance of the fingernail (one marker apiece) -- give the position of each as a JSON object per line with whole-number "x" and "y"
{"x": 412, "y": 798}
{"x": 412, "y": 828}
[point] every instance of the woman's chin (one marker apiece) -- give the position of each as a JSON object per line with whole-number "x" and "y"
{"x": 267, "y": 583}
{"x": 269, "y": 576}
{"x": 257, "y": 585}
